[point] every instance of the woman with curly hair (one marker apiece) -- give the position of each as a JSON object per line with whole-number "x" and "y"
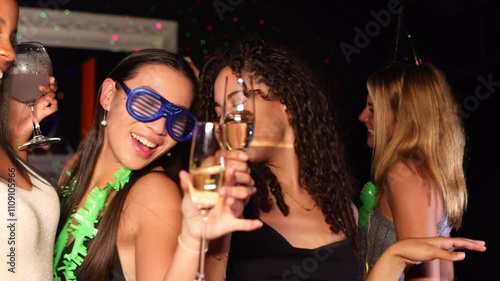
{"x": 297, "y": 159}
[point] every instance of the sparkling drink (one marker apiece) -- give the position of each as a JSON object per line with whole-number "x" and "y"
{"x": 237, "y": 130}
{"x": 205, "y": 181}
{"x": 24, "y": 87}
{"x": 31, "y": 68}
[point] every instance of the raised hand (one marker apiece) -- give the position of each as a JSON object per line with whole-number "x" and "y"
{"x": 224, "y": 218}
{"x": 20, "y": 124}
{"x": 238, "y": 162}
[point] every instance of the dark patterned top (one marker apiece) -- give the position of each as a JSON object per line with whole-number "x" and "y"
{"x": 380, "y": 234}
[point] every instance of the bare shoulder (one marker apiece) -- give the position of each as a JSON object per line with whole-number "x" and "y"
{"x": 154, "y": 203}
{"x": 402, "y": 175}
{"x": 150, "y": 222}
{"x": 410, "y": 199}
{"x": 154, "y": 194}
{"x": 156, "y": 186}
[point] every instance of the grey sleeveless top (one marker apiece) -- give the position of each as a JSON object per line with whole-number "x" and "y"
{"x": 380, "y": 234}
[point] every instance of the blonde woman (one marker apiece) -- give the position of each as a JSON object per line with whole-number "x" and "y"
{"x": 418, "y": 141}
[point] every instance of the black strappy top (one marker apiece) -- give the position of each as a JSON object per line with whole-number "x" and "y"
{"x": 265, "y": 255}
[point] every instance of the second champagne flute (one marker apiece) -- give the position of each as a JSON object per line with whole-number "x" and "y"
{"x": 238, "y": 112}
{"x": 206, "y": 166}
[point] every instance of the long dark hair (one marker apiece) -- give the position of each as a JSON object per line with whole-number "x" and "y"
{"x": 98, "y": 262}
{"x": 323, "y": 169}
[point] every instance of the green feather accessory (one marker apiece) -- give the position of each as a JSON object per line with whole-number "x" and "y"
{"x": 368, "y": 198}
{"x": 81, "y": 225}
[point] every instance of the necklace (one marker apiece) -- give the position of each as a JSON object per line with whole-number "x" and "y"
{"x": 86, "y": 217}
{"x": 298, "y": 203}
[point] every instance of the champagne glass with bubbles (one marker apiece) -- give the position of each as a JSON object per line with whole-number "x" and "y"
{"x": 238, "y": 112}
{"x": 31, "y": 68}
{"x": 206, "y": 166}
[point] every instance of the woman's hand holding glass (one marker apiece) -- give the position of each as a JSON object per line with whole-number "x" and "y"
{"x": 238, "y": 161}
{"x": 213, "y": 203}
{"x": 31, "y": 68}
{"x": 21, "y": 124}
{"x": 225, "y": 217}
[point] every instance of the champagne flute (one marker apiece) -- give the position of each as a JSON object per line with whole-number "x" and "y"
{"x": 206, "y": 166}
{"x": 238, "y": 112}
{"x": 31, "y": 68}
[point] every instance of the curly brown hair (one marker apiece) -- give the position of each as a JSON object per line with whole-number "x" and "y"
{"x": 323, "y": 168}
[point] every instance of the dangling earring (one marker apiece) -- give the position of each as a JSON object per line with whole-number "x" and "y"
{"x": 104, "y": 123}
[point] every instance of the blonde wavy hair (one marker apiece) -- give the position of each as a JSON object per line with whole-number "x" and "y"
{"x": 417, "y": 122}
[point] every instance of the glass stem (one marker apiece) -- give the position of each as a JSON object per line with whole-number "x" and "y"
{"x": 201, "y": 263}
{"x": 37, "y": 131}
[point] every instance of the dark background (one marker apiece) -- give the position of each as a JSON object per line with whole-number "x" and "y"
{"x": 460, "y": 37}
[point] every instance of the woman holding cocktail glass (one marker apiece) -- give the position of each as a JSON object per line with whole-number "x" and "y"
{"x": 303, "y": 188}
{"x": 29, "y": 203}
{"x": 128, "y": 221}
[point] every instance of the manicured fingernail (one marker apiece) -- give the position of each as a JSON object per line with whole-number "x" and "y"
{"x": 243, "y": 156}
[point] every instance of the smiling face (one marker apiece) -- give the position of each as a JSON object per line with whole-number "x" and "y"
{"x": 272, "y": 129}
{"x": 132, "y": 143}
{"x": 9, "y": 12}
{"x": 367, "y": 117}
